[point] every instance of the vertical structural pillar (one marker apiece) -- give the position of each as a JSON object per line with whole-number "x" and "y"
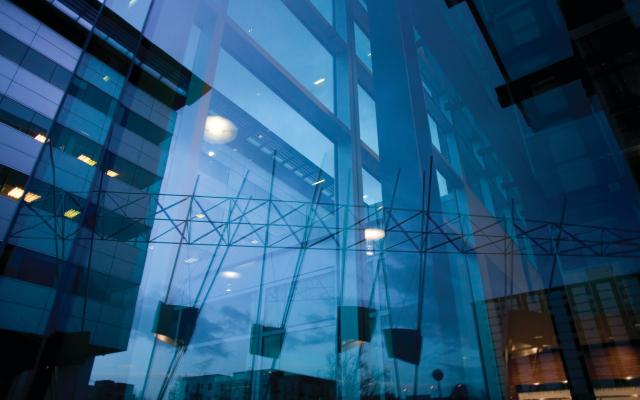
{"x": 404, "y": 154}
{"x": 572, "y": 355}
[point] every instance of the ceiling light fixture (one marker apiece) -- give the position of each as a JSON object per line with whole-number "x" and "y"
{"x": 31, "y": 197}
{"x": 71, "y": 213}
{"x": 111, "y": 173}
{"x": 16, "y": 193}
{"x": 231, "y": 274}
{"x": 319, "y": 81}
{"x": 219, "y": 130}
{"x": 87, "y": 160}
{"x": 40, "y": 138}
{"x": 374, "y": 234}
{"x": 318, "y": 182}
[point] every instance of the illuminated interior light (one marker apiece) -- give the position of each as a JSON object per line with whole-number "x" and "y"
{"x": 629, "y": 378}
{"x": 370, "y": 252}
{"x": 319, "y": 81}
{"x": 106, "y": 78}
{"x": 163, "y": 338}
{"x": 318, "y": 182}
{"x": 132, "y": 3}
{"x": 219, "y": 130}
{"x": 111, "y": 173}
{"x": 211, "y": 153}
{"x": 254, "y": 241}
{"x": 374, "y": 234}
{"x": 227, "y": 290}
{"x": 260, "y": 136}
{"x": 31, "y": 197}
{"x": 16, "y": 193}
{"x": 364, "y": 196}
{"x": 199, "y": 215}
{"x": 87, "y": 160}
{"x": 368, "y": 54}
{"x": 40, "y": 138}
{"x": 190, "y": 260}
{"x": 536, "y": 383}
{"x": 71, "y": 213}
{"x": 231, "y": 274}
{"x": 565, "y": 381}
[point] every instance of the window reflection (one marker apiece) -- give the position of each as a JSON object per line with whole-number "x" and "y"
{"x": 367, "y": 117}
{"x": 235, "y": 82}
{"x": 289, "y": 42}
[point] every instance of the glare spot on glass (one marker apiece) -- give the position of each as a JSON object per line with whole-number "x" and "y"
{"x": 319, "y": 81}
{"x": 190, "y": 260}
{"x": 318, "y": 182}
{"x": 254, "y": 241}
{"x": 132, "y": 3}
{"x": 106, "y": 78}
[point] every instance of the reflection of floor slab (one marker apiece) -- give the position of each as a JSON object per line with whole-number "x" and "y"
{"x": 626, "y": 393}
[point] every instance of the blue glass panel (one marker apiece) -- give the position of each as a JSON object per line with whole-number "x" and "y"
{"x": 240, "y": 86}
{"x": 289, "y": 42}
{"x": 367, "y": 117}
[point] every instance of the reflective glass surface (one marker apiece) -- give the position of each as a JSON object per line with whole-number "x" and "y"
{"x": 184, "y": 216}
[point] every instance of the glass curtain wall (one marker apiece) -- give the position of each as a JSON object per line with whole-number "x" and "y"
{"x": 279, "y": 199}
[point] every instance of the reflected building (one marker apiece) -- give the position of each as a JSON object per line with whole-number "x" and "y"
{"x": 349, "y": 199}
{"x": 276, "y": 385}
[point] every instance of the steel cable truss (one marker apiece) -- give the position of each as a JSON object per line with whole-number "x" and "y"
{"x": 142, "y": 219}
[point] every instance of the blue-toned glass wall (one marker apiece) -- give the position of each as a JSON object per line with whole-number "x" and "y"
{"x": 373, "y": 97}
{"x": 101, "y": 122}
{"x": 552, "y": 145}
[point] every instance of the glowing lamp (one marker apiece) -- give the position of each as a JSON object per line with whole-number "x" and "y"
{"x": 219, "y": 130}
{"x": 373, "y": 234}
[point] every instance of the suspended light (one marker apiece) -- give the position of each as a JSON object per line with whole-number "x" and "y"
{"x": 219, "y": 130}
{"x": 111, "y": 173}
{"x": 40, "y": 138}
{"x": 373, "y": 234}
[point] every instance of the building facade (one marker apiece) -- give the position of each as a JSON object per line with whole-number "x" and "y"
{"x": 278, "y": 199}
